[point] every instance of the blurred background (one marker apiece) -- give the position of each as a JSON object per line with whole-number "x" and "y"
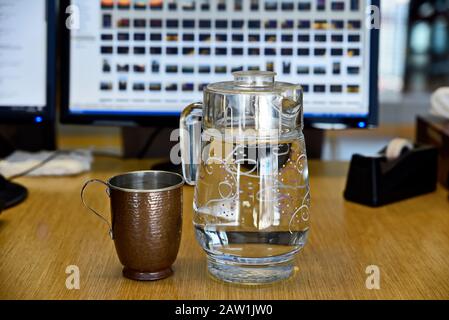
{"x": 413, "y": 62}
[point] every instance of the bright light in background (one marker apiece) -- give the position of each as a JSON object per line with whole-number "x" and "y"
{"x": 420, "y": 38}
{"x": 38, "y": 119}
{"x": 392, "y": 52}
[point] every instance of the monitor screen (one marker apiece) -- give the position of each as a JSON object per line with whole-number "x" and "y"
{"x": 23, "y": 60}
{"x": 151, "y": 58}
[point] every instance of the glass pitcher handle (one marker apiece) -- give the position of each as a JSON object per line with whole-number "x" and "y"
{"x": 190, "y": 139}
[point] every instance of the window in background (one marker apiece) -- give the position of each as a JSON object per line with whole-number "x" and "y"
{"x": 393, "y": 40}
{"x": 428, "y": 45}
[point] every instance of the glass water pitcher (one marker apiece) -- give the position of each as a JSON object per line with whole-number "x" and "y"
{"x": 244, "y": 151}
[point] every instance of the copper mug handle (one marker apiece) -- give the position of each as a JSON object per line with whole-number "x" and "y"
{"x": 93, "y": 210}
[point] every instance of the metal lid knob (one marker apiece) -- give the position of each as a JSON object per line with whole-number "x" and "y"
{"x": 254, "y": 78}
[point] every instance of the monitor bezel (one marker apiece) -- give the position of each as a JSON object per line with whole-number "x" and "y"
{"x": 14, "y": 114}
{"x": 337, "y": 122}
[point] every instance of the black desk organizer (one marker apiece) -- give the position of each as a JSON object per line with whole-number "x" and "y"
{"x": 375, "y": 181}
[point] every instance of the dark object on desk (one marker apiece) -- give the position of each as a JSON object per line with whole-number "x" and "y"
{"x": 168, "y": 166}
{"x": 11, "y": 194}
{"x": 155, "y": 143}
{"x": 375, "y": 181}
{"x": 27, "y": 137}
{"x": 142, "y": 142}
{"x": 434, "y": 130}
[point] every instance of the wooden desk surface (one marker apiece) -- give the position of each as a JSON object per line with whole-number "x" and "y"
{"x": 408, "y": 241}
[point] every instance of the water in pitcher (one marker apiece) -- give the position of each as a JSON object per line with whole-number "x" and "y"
{"x": 252, "y": 198}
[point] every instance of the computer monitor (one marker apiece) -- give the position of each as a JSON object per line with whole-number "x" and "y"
{"x": 143, "y": 61}
{"x": 27, "y": 61}
{"x": 27, "y": 79}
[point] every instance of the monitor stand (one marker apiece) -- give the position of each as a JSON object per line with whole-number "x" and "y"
{"x": 26, "y": 137}
{"x": 139, "y": 142}
{"x": 167, "y": 166}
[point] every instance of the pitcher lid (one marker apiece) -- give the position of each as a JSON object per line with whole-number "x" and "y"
{"x": 252, "y": 82}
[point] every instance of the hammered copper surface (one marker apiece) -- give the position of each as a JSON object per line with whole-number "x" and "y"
{"x": 147, "y": 231}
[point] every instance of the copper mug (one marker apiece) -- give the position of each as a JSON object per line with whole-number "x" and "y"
{"x": 146, "y": 221}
